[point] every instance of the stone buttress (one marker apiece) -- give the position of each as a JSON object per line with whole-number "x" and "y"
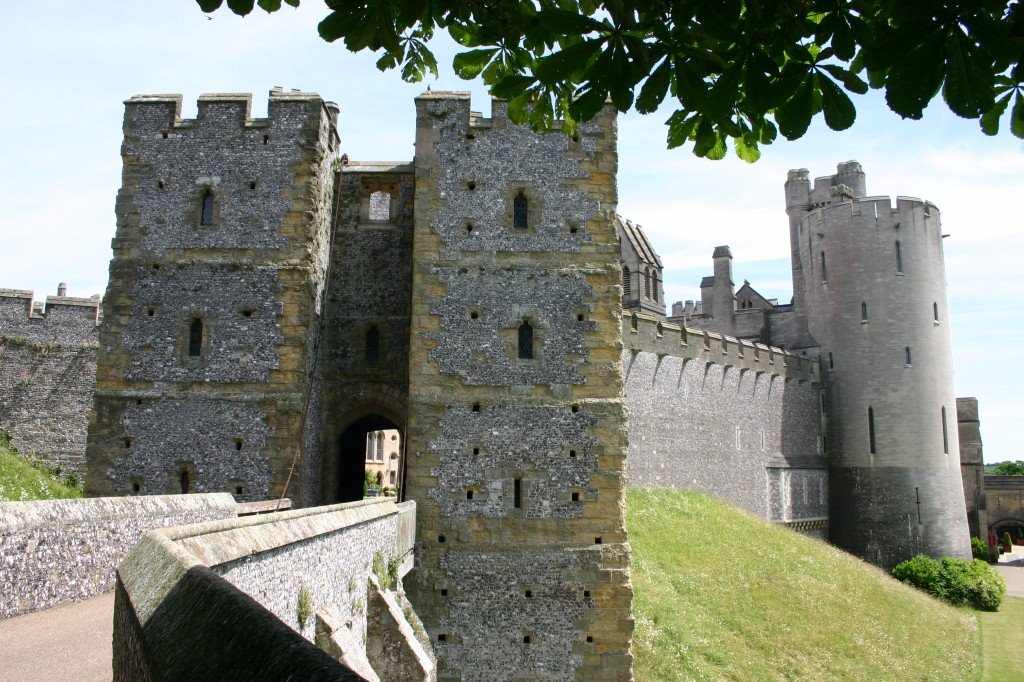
{"x": 211, "y": 319}
{"x": 517, "y": 428}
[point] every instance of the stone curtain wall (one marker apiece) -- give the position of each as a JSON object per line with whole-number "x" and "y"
{"x": 56, "y": 551}
{"x": 229, "y": 419}
{"x": 730, "y": 418}
{"x": 47, "y": 375}
{"x": 517, "y": 464}
{"x": 255, "y": 568}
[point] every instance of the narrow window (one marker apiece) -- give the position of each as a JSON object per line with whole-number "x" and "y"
{"x": 391, "y": 478}
{"x": 195, "y": 337}
{"x": 206, "y": 219}
{"x": 945, "y": 435}
{"x": 831, "y": 362}
{"x": 633, "y": 322}
{"x": 899, "y": 258}
{"x": 372, "y": 345}
{"x": 647, "y": 283}
{"x": 525, "y": 341}
{"x": 626, "y": 288}
{"x": 906, "y": 355}
{"x": 863, "y": 311}
{"x": 517, "y": 493}
{"x": 184, "y": 480}
{"x": 824, "y": 269}
{"x": 369, "y": 447}
{"x": 871, "y": 430}
{"x": 380, "y": 446}
{"x": 935, "y": 312}
{"x": 520, "y": 212}
{"x": 654, "y": 287}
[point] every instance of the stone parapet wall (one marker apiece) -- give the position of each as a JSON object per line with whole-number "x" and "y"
{"x": 56, "y": 551}
{"x": 265, "y": 570}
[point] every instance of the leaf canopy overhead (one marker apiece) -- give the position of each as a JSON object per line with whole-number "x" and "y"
{"x": 737, "y": 70}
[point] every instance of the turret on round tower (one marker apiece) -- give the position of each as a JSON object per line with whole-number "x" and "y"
{"x": 874, "y": 297}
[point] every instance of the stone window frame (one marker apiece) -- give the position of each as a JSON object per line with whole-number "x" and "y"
{"x": 371, "y": 185}
{"x": 509, "y": 335}
{"x": 182, "y": 467}
{"x": 184, "y": 334}
{"x": 195, "y": 217}
{"x": 534, "y": 208}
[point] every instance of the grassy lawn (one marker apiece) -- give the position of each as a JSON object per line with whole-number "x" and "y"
{"x": 719, "y": 594}
{"x": 21, "y": 479}
{"x": 1003, "y": 641}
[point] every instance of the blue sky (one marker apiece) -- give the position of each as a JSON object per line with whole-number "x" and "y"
{"x": 67, "y": 66}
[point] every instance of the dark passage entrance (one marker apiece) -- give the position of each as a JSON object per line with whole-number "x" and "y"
{"x": 352, "y": 453}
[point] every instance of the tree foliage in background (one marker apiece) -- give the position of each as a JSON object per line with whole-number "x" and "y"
{"x": 1010, "y": 468}
{"x": 738, "y": 70}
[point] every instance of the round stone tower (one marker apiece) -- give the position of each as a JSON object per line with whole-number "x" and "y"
{"x": 874, "y": 298}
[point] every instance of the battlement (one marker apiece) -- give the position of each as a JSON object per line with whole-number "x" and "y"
{"x": 847, "y": 183}
{"x": 645, "y": 333}
{"x": 880, "y": 208}
{"x": 59, "y": 320}
{"x": 161, "y": 114}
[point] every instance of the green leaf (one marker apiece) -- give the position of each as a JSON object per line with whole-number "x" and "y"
{"x": 839, "y": 110}
{"x": 269, "y": 5}
{"x": 968, "y": 87}
{"x": 468, "y": 65}
{"x": 990, "y": 119}
{"x": 241, "y": 7}
{"x": 680, "y": 127}
{"x": 794, "y": 116}
{"x": 566, "y": 22}
{"x": 586, "y": 105}
{"x": 336, "y": 25}
{"x": 563, "y": 64}
{"x": 709, "y": 142}
{"x": 915, "y": 78}
{"x": 654, "y": 90}
{"x": 851, "y": 81}
{"x": 721, "y": 101}
{"x": 518, "y": 109}
{"x": 512, "y": 86}
{"x": 746, "y": 149}
{"x": 1017, "y": 117}
{"x": 209, "y": 5}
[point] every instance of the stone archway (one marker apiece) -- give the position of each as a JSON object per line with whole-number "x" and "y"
{"x": 351, "y": 455}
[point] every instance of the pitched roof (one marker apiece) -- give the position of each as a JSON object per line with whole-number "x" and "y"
{"x": 637, "y": 239}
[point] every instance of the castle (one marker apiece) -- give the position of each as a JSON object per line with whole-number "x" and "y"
{"x": 271, "y": 302}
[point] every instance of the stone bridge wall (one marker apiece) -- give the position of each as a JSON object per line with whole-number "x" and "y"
{"x": 56, "y": 551}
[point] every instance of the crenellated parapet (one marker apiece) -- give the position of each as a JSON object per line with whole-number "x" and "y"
{"x": 58, "y": 320}
{"x": 646, "y": 333}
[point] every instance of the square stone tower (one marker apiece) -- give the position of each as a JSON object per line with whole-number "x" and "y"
{"x": 208, "y": 352}
{"x": 517, "y": 431}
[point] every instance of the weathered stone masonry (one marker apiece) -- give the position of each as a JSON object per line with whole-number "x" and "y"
{"x": 212, "y": 320}
{"x": 517, "y": 464}
{"x": 47, "y": 375}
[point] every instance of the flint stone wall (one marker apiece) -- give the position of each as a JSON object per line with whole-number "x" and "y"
{"x": 56, "y": 551}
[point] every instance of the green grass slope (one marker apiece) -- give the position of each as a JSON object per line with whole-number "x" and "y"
{"x": 1003, "y": 635}
{"x": 21, "y": 479}
{"x": 719, "y": 594}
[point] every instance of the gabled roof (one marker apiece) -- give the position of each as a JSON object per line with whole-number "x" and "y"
{"x": 637, "y": 239}
{"x": 749, "y": 292}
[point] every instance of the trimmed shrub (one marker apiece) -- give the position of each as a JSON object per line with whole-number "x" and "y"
{"x": 979, "y": 548}
{"x": 1007, "y": 540}
{"x": 956, "y": 581}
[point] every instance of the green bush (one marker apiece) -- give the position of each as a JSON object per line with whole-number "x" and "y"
{"x": 1007, "y": 540}
{"x": 979, "y": 548}
{"x": 956, "y": 581}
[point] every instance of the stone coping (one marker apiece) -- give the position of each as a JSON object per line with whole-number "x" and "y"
{"x": 403, "y": 167}
{"x": 20, "y": 516}
{"x": 217, "y": 542}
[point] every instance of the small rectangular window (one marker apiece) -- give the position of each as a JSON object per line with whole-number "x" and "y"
{"x": 195, "y": 337}
{"x": 517, "y": 493}
{"x": 871, "y": 431}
